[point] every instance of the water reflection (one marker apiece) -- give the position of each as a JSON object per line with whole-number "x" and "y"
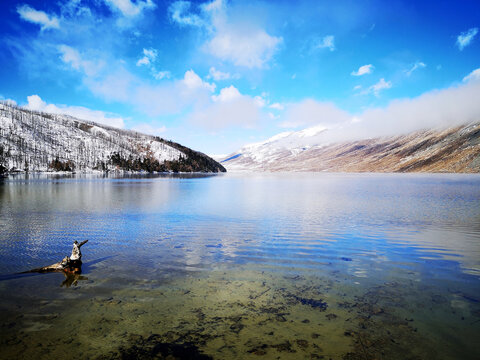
{"x": 222, "y": 251}
{"x": 277, "y": 220}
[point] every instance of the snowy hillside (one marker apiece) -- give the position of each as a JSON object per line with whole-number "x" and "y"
{"x": 454, "y": 149}
{"x": 270, "y": 150}
{"x": 32, "y": 141}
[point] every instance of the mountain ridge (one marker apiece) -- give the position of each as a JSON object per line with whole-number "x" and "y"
{"x": 36, "y": 141}
{"x": 455, "y": 149}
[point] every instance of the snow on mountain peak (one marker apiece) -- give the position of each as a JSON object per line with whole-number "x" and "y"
{"x": 311, "y": 131}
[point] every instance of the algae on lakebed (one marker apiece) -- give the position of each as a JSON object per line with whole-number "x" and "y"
{"x": 237, "y": 313}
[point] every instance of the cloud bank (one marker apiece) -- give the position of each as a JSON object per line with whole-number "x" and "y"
{"x": 309, "y": 112}
{"x": 190, "y": 95}
{"x": 473, "y": 76}
{"x": 229, "y": 108}
{"x": 448, "y": 107}
{"x": 37, "y": 104}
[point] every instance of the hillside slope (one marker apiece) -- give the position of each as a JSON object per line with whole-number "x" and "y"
{"x": 32, "y": 141}
{"x": 448, "y": 150}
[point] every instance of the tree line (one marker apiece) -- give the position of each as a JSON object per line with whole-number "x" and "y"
{"x": 196, "y": 163}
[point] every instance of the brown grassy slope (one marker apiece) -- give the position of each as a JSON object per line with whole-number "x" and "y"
{"x": 452, "y": 150}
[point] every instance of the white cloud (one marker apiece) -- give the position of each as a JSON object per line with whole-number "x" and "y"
{"x": 80, "y": 112}
{"x": 71, "y": 56}
{"x": 148, "y": 60}
{"x": 172, "y": 97}
{"x": 165, "y": 99}
{"x": 379, "y": 86}
{"x": 448, "y": 107}
{"x": 189, "y": 95}
{"x": 324, "y": 123}
{"x": 327, "y": 41}
{"x": 252, "y": 48}
{"x": 7, "y": 101}
{"x": 214, "y": 6}
{"x": 149, "y": 56}
{"x": 229, "y": 108}
{"x": 473, "y": 76}
{"x": 437, "y": 108}
{"x": 243, "y": 44}
{"x": 276, "y": 106}
{"x": 259, "y": 101}
{"x": 150, "y": 53}
{"x": 179, "y": 12}
{"x": 149, "y": 129}
{"x": 218, "y": 75}
{"x": 128, "y": 8}
{"x": 38, "y": 17}
{"x": 231, "y": 93}
{"x": 111, "y": 82}
{"x": 227, "y": 94}
{"x": 159, "y": 75}
{"x": 192, "y": 81}
{"x": 74, "y": 9}
{"x": 363, "y": 70}
{"x": 417, "y": 65}
{"x": 310, "y": 112}
{"x": 465, "y": 38}
{"x": 143, "y": 61}
{"x": 116, "y": 83}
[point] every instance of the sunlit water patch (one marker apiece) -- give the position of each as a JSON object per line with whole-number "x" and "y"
{"x": 283, "y": 266}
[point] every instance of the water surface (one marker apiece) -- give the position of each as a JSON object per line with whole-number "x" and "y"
{"x": 291, "y": 266}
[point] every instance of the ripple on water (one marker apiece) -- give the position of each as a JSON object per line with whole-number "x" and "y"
{"x": 340, "y": 267}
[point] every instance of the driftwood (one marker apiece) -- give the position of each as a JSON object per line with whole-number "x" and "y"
{"x": 71, "y": 264}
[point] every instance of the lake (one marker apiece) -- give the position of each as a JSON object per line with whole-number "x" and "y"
{"x": 261, "y": 266}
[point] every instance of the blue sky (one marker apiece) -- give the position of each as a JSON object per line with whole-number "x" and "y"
{"x": 214, "y": 75}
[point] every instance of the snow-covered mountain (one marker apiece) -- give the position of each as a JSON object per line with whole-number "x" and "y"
{"x": 454, "y": 149}
{"x": 35, "y": 141}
